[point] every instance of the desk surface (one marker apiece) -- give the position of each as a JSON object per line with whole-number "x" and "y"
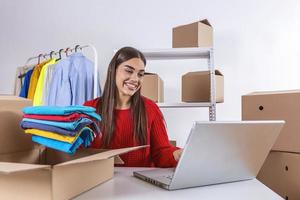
{"x": 125, "y": 186}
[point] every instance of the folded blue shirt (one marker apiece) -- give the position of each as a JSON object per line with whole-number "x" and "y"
{"x": 75, "y": 125}
{"x": 45, "y": 127}
{"x": 85, "y": 138}
{"x": 61, "y": 110}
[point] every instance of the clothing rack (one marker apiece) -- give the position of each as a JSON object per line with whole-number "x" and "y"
{"x": 75, "y": 49}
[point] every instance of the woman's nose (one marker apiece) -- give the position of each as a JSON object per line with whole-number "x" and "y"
{"x": 135, "y": 77}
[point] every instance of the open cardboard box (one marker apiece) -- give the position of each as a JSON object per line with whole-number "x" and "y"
{"x": 31, "y": 171}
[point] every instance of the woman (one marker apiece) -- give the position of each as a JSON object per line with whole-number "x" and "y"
{"x": 129, "y": 119}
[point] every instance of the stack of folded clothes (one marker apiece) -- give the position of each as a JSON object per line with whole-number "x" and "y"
{"x": 61, "y": 128}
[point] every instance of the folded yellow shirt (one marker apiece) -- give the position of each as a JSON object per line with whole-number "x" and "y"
{"x": 52, "y": 135}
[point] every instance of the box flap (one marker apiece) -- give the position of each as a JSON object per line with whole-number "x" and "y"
{"x": 7, "y": 167}
{"x": 118, "y": 160}
{"x": 149, "y": 73}
{"x": 12, "y": 136}
{"x": 272, "y": 92}
{"x": 217, "y": 72}
{"x": 205, "y": 21}
{"x": 13, "y": 103}
{"x": 103, "y": 155}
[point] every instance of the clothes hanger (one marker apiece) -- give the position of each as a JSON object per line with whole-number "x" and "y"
{"x": 39, "y": 62}
{"x": 51, "y": 54}
{"x": 59, "y": 53}
{"x": 67, "y": 50}
{"x": 39, "y": 58}
{"x": 76, "y": 47}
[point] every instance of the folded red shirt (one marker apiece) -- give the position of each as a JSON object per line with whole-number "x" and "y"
{"x": 60, "y": 118}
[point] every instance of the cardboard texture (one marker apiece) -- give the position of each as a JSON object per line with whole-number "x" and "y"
{"x": 153, "y": 87}
{"x": 197, "y": 34}
{"x": 195, "y": 86}
{"x": 278, "y": 105}
{"x": 281, "y": 173}
{"x": 30, "y": 171}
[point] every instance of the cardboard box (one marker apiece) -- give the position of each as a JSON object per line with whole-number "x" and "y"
{"x": 197, "y": 34}
{"x": 153, "y": 87}
{"x": 195, "y": 87}
{"x": 281, "y": 173}
{"x": 277, "y": 105}
{"x": 31, "y": 171}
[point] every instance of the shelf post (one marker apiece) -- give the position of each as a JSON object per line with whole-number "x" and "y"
{"x": 212, "y": 107}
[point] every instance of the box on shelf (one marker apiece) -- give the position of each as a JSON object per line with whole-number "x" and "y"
{"x": 276, "y": 105}
{"x": 41, "y": 173}
{"x": 280, "y": 173}
{"x": 197, "y": 34}
{"x": 196, "y": 86}
{"x": 153, "y": 87}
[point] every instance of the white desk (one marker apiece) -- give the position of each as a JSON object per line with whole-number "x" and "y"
{"x": 125, "y": 186}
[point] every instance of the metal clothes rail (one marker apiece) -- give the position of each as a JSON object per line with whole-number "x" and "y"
{"x": 75, "y": 49}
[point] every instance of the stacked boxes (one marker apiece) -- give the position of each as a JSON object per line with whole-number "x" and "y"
{"x": 280, "y": 171}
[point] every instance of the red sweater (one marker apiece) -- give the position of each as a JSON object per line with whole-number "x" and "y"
{"x": 160, "y": 151}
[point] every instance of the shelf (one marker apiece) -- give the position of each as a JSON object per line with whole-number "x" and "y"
{"x": 183, "y": 105}
{"x": 176, "y": 53}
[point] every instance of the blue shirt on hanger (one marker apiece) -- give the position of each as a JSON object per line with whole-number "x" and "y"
{"x": 25, "y": 86}
{"x": 72, "y": 82}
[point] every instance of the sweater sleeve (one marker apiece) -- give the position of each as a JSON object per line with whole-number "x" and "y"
{"x": 160, "y": 147}
{"x": 93, "y": 103}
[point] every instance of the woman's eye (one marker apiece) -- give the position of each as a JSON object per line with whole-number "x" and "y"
{"x": 128, "y": 71}
{"x": 141, "y": 74}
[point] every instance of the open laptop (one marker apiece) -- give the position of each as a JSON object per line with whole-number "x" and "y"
{"x": 218, "y": 152}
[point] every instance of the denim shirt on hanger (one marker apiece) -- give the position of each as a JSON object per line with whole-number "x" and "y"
{"x": 72, "y": 82}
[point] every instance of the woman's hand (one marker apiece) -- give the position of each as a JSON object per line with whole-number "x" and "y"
{"x": 177, "y": 153}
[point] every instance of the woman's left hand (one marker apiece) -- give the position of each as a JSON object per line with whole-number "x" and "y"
{"x": 177, "y": 153}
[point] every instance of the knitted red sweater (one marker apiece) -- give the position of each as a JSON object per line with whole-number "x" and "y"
{"x": 160, "y": 151}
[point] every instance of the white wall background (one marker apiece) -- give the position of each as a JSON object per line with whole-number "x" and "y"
{"x": 257, "y": 43}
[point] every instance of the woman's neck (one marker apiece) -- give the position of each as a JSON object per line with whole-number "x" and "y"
{"x": 123, "y": 102}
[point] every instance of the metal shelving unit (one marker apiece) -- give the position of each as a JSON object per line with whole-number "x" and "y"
{"x": 188, "y": 53}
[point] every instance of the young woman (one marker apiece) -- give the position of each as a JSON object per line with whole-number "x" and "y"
{"x": 129, "y": 119}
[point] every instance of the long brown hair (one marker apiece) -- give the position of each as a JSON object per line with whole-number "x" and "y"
{"x": 108, "y": 100}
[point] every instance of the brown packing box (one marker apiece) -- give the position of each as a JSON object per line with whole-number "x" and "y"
{"x": 197, "y": 34}
{"x": 281, "y": 173}
{"x": 196, "y": 87}
{"x": 277, "y": 105}
{"x": 30, "y": 171}
{"x": 153, "y": 87}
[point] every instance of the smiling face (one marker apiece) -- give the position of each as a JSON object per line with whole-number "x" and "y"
{"x": 129, "y": 77}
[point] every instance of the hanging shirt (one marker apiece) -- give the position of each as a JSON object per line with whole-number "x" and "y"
{"x": 46, "y": 84}
{"x": 19, "y": 81}
{"x": 72, "y": 82}
{"x": 34, "y": 79}
{"x": 25, "y": 86}
{"x": 37, "y": 100}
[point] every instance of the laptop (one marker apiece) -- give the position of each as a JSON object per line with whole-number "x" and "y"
{"x": 218, "y": 152}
